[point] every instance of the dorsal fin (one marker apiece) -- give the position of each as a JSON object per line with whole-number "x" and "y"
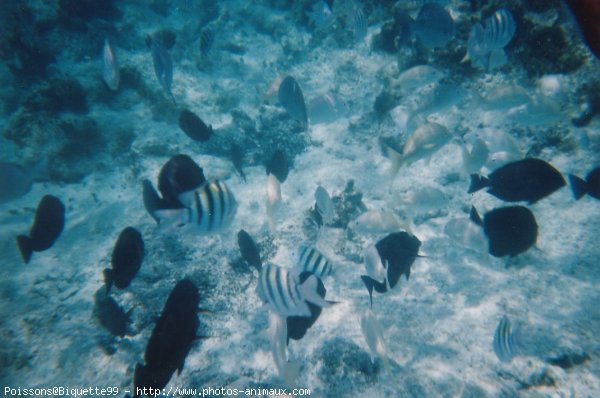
{"x": 474, "y": 216}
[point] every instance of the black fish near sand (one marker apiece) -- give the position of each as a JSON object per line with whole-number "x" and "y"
{"x": 510, "y": 230}
{"x": 526, "y": 180}
{"x": 172, "y": 338}
{"x": 398, "y": 251}
{"x": 110, "y": 315}
{"x": 249, "y": 249}
{"x": 194, "y": 127}
{"x": 590, "y": 186}
{"x": 298, "y": 325}
{"x": 291, "y": 98}
{"x": 180, "y": 174}
{"x": 126, "y": 260}
{"x": 278, "y": 166}
{"x": 47, "y": 227}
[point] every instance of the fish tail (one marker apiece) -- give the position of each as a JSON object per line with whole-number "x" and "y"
{"x": 25, "y": 248}
{"x": 171, "y": 218}
{"x": 475, "y": 217}
{"x": 477, "y": 182}
{"x": 108, "y": 279}
{"x": 369, "y": 284}
{"x": 578, "y": 186}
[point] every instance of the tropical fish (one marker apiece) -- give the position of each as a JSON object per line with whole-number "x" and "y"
{"x": 273, "y": 199}
{"x": 291, "y": 98}
{"x": 15, "y": 181}
{"x": 207, "y": 38}
{"x": 434, "y": 26}
{"x": 297, "y": 326}
{"x": 171, "y": 340}
{"x": 485, "y": 47}
{"x": 126, "y": 259}
{"x": 423, "y": 142}
{"x": 193, "y": 126}
{"x": 505, "y": 97}
{"x": 504, "y": 343}
{"x": 398, "y": 252}
{"x": 207, "y": 209}
{"x": 474, "y": 159}
{"x": 249, "y": 249}
{"x": 278, "y": 166}
{"x": 324, "y": 205}
{"x": 359, "y": 24}
{"x": 326, "y": 108}
{"x": 527, "y": 180}
{"x": 110, "y": 315}
{"x": 163, "y": 68}
{"x": 375, "y": 222}
{"x": 278, "y": 332}
{"x": 418, "y": 76}
{"x": 237, "y": 157}
{"x": 587, "y": 14}
{"x": 500, "y": 28}
{"x": 280, "y": 289}
{"x": 180, "y": 174}
{"x": 47, "y": 227}
{"x": 590, "y": 186}
{"x": 110, "y": 67}
{"x": 510, "y": 230}
{"x": 311, "y": 260}
{"x": 373, "y": 334}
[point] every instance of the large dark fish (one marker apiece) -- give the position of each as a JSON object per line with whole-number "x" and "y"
{"x": 590, "y": 186}
{"x": 291, "y": 98}
{"x": 15, "y": 181}
{"x": 587, "y": 14}
{"x": 237, "y": 157}
{"x": 180, "y": 174}
{"x": 249, "y": 249}
{"x": 510, "y": 230}
{"x": 298, "y": 325}
{"x": 397, "y": 252}
{"x": 527, "y": 180}
{"x": 110, "y": 315}
{"x": 47, "y": 226}
{"x": 278, "y": 166}
{"x": 171, "y": 339}
{"x": 193, "y": 126}
{"x": 126, "y": 259}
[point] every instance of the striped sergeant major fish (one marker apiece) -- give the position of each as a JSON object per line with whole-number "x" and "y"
{"x": 280, "y": 289}
{"x": 505, "y": 344}
{"x": 311, "y": 260}
{"x": 207, "y": 209}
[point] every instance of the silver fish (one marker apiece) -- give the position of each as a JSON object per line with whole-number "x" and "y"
{"x": 504, "y": 343}
{"x": 291, "y": 98}
{"x": 324, "y": 205}
{"x": 418, "y": 76}
{"x": 110, "y": 67}
{"x": 311, "y": 260}
{"x": 163, "y": 68}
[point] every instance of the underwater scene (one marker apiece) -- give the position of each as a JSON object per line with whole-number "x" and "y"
{"x": 325, "y": 198}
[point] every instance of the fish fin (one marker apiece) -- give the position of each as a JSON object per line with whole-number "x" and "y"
{"x": 478, "y": 182}
{"x": 310, "y": 294}
{"x": 396, "y": 159}
{"x": 578, "y": 186}
{"x": 475, "y": 217}
{"x": 369, "y": 284}
{"x": 24, "y": 243}
{"x": 465, "y": 58}
{"x": 171, "y": 218}
{"x": 108, "y": 279}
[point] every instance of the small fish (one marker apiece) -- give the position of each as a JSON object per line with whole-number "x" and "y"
{"x": 510, "y": 230}
{"x": 110, "y": 67}
{"x": 527, "y": 180}
{"x": 110, "y": 315}
{"x": 324, "y": 205}
{"x": 359, "y": 24}
{"x": 327, "y": 108}
{"x": 423, "y": 142}
{"x": 278, "y": 332}
{"x": 47, "y": 227}
{"x": 163, "y": 68}
{"x": 278, "y": 166}
{"x": 474, "y": 159}
{"x": 505, "y": 97}
{"x": 194, "y": 127}
{"x": 280, "y": 289}
{"x": 180, "y": 174}
{"x": 434, "y": 26}
{"x": 590, "y": 186}
{"x": 485, "y": 47}
{"x": 504, "y": 343}
{"x": 237, "y": 157}
{"x": 297, "y": 326}
{"x": 207, "y": 209}
{"x": 15, "y": 181}
{"x": 311, "y": 260}
{"x": 291, "y": 98}
{"x": 373, "y": 334}
{"x": 397, "y": 251}
{"x": 249, "y": 249}
{"x": 587, "y": 14}
{"x": 375, "y": 222}
{"x": 499, "y": 29}
{"x": 273, "y": 200}
{"x": 418, "y": 76}
{"x": 207, "y": 38}
{"x": 171, "y": 340}
{"x": 126, "y": 259}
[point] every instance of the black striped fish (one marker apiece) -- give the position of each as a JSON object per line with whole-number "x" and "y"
{"x": 207, "y": 209}
{"x": 311, "y": 260}
{"x": 504, "y": 344}
{"x": 499, "y": 29}
{"x": 280, "y": 289}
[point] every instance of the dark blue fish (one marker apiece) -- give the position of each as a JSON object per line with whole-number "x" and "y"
{"x": 291, "y": 98}
{"x": 434, "y": 26}
{"x": 249, "y": 249}
{"x": 194, "y": 127}
{"x": 180, "y": 174}
{"x": 237, "y": 157}
{"x": 590, "y": 186}
{"x": 126, "y": 259}
{"x": 47, "y": 227}
{"x": 510, "y": 230}
{"x": 504, "y": 343}
{"x": 278, "y": 166}
{"x": 15, "y": 181}
{"x": 110, "y": 315}
{"x": 163, "y": 68}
